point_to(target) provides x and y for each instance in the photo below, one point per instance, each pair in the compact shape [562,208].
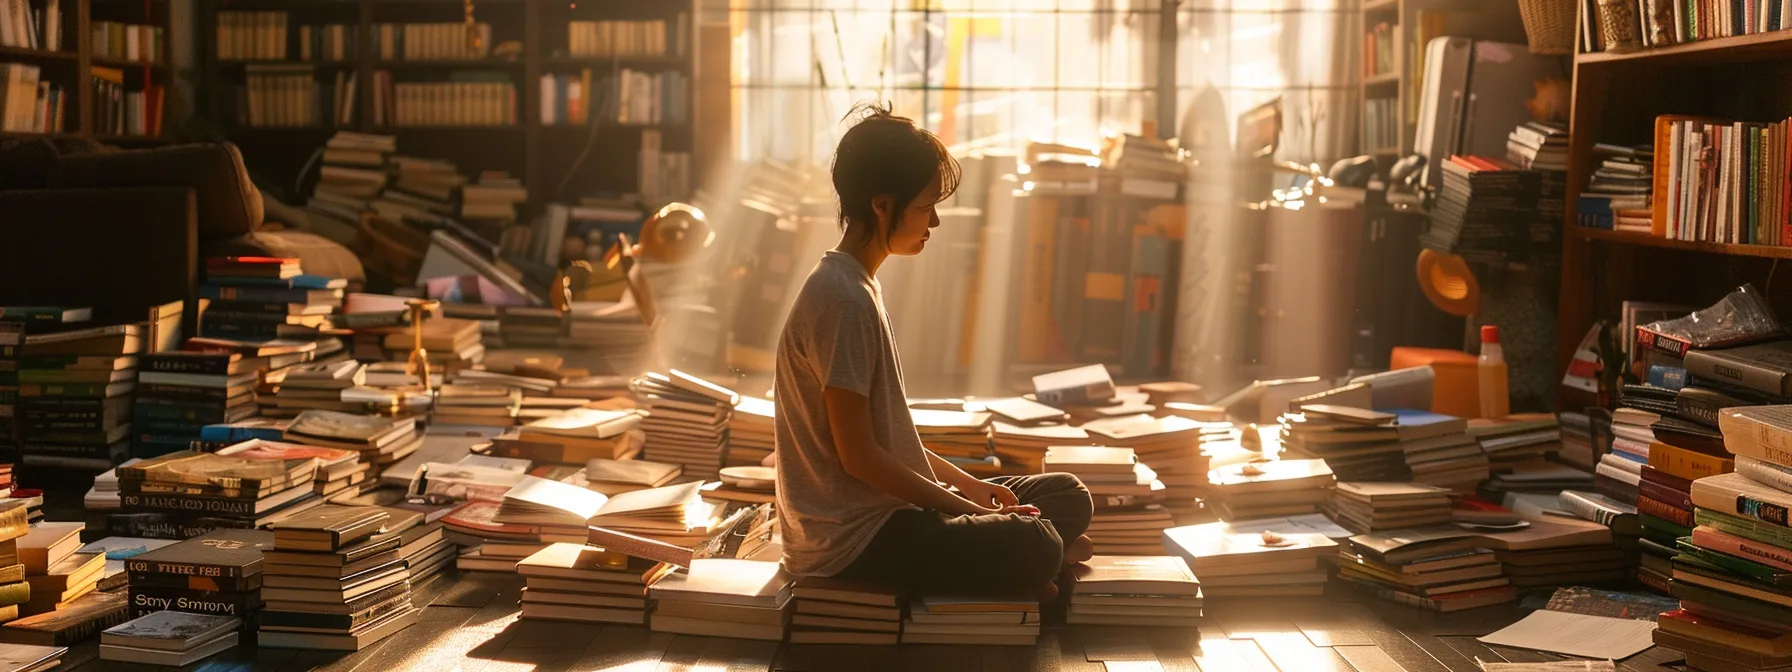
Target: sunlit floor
[471,625]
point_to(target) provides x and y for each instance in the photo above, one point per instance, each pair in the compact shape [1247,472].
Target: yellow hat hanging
[1448,283]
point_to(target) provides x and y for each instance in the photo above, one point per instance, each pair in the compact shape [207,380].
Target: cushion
[229,205]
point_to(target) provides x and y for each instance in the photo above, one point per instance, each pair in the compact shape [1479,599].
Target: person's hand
[989,495]
[1022,509]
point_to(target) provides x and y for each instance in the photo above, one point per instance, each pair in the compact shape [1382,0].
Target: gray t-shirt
[837,335]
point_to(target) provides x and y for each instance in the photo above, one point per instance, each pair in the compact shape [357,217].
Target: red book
[213,262]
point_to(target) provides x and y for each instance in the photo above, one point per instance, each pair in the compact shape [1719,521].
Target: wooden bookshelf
[1465,18]
[1615,99]
[540,154]
[71,66]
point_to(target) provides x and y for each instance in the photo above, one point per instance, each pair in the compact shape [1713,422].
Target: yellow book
[1687,464]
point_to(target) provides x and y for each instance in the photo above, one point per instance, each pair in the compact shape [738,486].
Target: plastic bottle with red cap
[1496,400]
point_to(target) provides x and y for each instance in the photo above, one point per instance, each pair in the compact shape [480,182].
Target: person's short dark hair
[886,154]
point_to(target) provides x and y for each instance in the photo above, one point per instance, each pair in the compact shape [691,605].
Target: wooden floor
[471,625]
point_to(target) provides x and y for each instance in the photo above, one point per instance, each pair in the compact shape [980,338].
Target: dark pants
[929,551]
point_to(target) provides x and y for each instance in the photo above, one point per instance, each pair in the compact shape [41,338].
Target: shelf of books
[1648,240]
[1749,39]
[111,83]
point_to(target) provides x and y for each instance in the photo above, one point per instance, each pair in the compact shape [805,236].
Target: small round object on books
[750,478]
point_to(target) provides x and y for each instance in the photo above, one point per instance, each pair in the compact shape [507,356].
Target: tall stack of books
[750,432]
[575,582]
[14,591]
[1374,507]
[962,437]
[1241,562]
[1484,209]
[255,320]
[381,441]
[1558,551]
[179,393]
[1441,568]
[1439,450]
[687,420]
[837,611]
[1358,444]
[169,638]
[319,386]
[1268,489]
[1149,591]
[335,580]
[1171,445]
[1517,439]
[576,437]
[75,395]
[724,597]
[1665,509]
[57,574]
[477,405]
[353,173]
[181,493]
[1116,474]
[988,620]
[217,573]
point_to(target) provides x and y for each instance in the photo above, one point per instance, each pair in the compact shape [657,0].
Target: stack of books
[423,546]
[271,358]
[1441,568]
[1270,489]
[576,582]
[452,344]
[578,436]
[259,321]
[182,392]
[334,580]
[477,405]
[1171,445]
[1021,448]
[354,172]
[1150,591]
[14,591]
[380,440]
[750,432]
[1539,478]
[724,597]
[524,327]
[216,573]
[1517,439]
[1242,562]
[1651,561]
[57,573]
[837,611]
[990,620]
[1358,444]
[473,528]
[340,473]
[687,420]
[614,477]
[320,386]
[1538,146]
[1625,182]
[1666,514]
[1618,474]
[1116,474]
[117,550]
[71,415]
[81,620]
[1439,450]
[616,331]
[12,335]
[1577,440]
[1374,507]
[1558,551]
[961,437]
[33,499]
[169,638]
[656,513]
[1483,210]
[33,658]
[181,493]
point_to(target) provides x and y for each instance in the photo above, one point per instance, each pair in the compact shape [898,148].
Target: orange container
[1455,390]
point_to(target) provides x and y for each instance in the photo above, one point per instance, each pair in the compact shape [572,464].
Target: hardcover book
[226,554]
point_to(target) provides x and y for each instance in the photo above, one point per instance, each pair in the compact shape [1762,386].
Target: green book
[1730,564]
[1765,533]
[1657,529]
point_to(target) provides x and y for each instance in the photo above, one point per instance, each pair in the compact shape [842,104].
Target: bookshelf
[1390,94]
[78,57]
[520,142]
[1741,78]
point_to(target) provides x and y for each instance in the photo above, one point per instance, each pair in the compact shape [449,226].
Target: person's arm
[948,472]
[976,489]
[849,420]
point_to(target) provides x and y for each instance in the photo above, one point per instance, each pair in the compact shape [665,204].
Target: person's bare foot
[1048,592]
[1079,550]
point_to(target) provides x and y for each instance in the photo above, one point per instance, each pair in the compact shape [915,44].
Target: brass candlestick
[419,362]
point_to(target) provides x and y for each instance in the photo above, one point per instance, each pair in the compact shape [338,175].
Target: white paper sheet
[1577,635]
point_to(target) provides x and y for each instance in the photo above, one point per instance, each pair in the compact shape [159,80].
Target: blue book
[266,429]
[1416,424]
[1670,377]
[304,281]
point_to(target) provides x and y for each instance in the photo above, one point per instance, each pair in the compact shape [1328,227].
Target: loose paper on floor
[1577,635]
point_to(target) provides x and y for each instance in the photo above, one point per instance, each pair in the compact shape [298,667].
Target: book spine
[206,414]
[1668,377]
[167,526]
[1765,473]
[1666,495]
[189,569]
[82,390]
[1736,372]
[1743,527]
[1726,500]
[180,393]
[1587,509]
[205,366]
[145,601]
[1687,464]
[1664,511]
[1748,437]
[1766,554]
[187,504]
[1657,476]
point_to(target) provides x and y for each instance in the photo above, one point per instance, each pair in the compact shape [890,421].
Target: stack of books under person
[261,321]
[1245,562]
[182,392]
[14,591]
[1141,591]
[75,395]
[724,597]
[687,420]
[1113,474]
[989,620]
[1730,571]
[577,582]
[1374,507]
[837,611]
[334,580]
[171,638]
[750,432]
[218,573]
[180,494]
[1172,445]
[1440,568]
[577,436]
[381,440]
[961,437]
[58,575]
[1270,489]
[1358,444]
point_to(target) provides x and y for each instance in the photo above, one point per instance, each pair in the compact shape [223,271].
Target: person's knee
[1069,492]
[1039,550]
